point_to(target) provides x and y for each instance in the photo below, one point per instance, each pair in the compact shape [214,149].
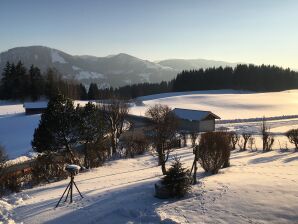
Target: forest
[18,83]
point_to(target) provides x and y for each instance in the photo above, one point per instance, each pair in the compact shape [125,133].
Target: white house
[195,120]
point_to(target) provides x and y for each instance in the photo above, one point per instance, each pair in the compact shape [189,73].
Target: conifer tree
[58,129]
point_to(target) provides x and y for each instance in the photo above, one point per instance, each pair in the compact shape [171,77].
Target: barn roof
[193,115]
[36,105]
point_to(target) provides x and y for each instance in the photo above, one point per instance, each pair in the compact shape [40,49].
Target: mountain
[114,70]
[189,64]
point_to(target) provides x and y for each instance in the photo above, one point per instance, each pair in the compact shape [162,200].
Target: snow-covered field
[257,188]
[229,104]
[16,129]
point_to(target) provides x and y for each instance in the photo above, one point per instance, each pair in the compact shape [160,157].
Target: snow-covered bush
[293,137]
[177,179]
[214,151]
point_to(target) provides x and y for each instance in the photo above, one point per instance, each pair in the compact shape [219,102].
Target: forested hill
[262,78]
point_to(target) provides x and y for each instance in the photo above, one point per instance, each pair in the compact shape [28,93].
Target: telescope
[73,170]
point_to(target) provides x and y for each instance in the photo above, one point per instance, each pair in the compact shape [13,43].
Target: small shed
[195,120]
[35,107]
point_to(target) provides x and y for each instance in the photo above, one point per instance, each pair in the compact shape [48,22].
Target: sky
[254,31]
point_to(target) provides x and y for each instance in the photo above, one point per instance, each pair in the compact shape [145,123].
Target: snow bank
[7,204]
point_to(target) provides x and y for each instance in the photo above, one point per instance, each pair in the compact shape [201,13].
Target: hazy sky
[257,31]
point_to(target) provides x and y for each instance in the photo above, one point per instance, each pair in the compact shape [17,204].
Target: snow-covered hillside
[257,188]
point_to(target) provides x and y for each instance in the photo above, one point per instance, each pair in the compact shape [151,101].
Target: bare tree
[163,132]
[114,114]
[234,139]
[267,138]
[243,143]
[252,144]
[184,138]
[193,137]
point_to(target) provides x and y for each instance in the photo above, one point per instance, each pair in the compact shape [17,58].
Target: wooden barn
[195,120]
[35,107]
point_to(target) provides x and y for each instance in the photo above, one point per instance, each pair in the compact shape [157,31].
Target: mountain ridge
[112,70]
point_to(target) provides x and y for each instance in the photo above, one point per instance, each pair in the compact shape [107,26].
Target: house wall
[197,126]
[207,125]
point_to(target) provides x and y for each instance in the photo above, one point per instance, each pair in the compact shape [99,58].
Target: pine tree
[91,127]
[36,83]
[58,129]
[93,92]
[177,179]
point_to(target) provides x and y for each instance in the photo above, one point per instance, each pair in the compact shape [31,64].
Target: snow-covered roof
[35,105]
[193,115]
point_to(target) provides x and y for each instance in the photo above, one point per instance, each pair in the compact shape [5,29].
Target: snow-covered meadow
[16,129]
[257,188]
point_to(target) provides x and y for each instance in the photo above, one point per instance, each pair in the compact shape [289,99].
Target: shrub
[234,138]
[3,158]
[177,179]
[293,137]
[267,137]
[97,153]
[48,167]
[214,151]
[243,142]
[134,142]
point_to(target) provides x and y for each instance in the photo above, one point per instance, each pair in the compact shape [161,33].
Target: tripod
[70,190]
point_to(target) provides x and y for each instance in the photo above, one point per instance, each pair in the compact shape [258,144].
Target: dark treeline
[243,77]
[18,83]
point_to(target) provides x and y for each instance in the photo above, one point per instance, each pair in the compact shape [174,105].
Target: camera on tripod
[72,169]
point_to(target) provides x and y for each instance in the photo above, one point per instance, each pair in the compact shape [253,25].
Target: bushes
[48,167]
[293,137]
[214,151]
[177,179]
[134,142]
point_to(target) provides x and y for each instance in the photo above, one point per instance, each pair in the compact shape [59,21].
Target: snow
[73,167]
[56,57]
[257,188]
[89,75]
[7,204]
[145,77]
[75,68]
[18,160]
[16,133]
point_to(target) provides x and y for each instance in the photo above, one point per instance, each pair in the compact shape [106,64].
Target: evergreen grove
[19,83]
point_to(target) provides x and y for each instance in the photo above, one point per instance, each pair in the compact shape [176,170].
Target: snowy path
[257,188]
